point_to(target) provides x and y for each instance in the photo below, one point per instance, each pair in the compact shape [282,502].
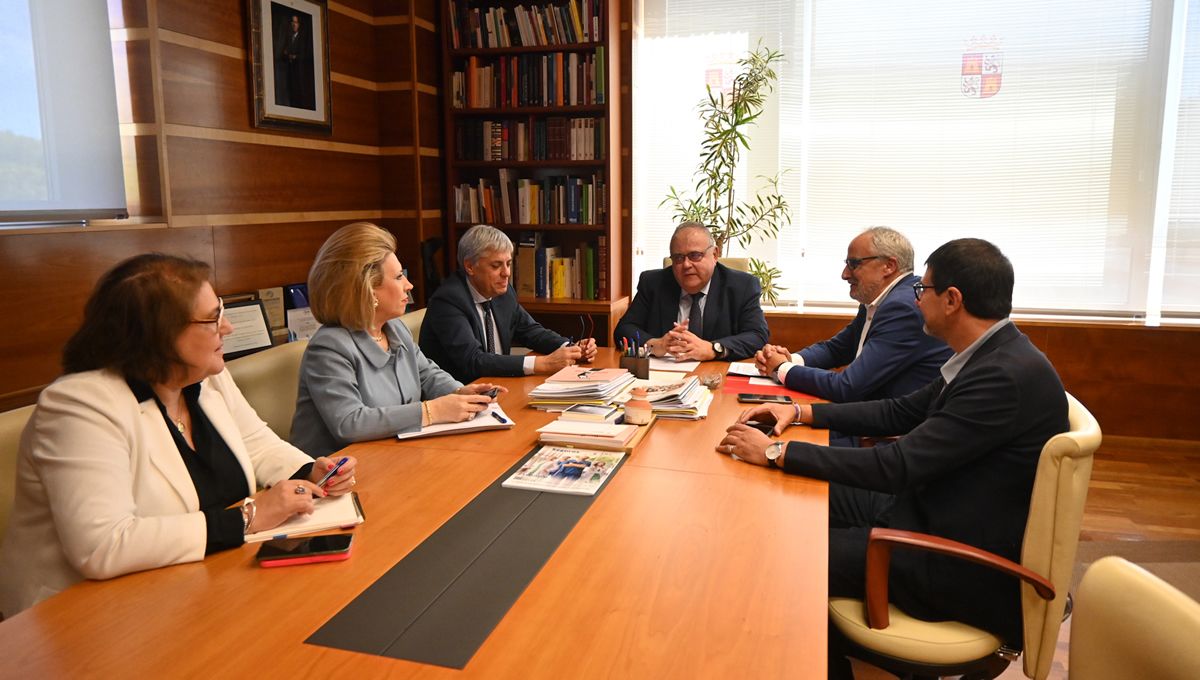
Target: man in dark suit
[473,319]
[963,466]
[697,308]
[884,351]
[294,77]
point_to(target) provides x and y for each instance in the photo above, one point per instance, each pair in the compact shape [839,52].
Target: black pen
[499,417]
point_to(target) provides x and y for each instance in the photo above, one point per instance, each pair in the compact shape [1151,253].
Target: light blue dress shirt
[352,390]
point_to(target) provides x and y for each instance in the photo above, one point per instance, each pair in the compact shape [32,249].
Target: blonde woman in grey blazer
[145,454]
[362,376]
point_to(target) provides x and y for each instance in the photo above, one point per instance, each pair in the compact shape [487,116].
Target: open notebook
[492,418]
[331,512]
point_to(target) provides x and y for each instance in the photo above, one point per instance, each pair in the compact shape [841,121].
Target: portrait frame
[289,64]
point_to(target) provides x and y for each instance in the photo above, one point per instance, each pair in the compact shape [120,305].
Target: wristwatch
[774,454]
[719,350]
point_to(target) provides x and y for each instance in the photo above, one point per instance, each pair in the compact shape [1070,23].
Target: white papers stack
[749,370]
[685,399]
[551,396]
[669,363]
[746,368]
[587,435]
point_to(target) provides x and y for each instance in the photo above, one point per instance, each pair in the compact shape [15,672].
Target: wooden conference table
[689,564]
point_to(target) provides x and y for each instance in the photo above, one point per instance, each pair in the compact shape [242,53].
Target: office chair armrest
[879,557]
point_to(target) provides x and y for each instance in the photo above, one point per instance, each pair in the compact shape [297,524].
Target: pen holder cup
[638,366]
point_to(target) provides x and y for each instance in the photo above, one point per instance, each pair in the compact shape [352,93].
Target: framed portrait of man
[289,65]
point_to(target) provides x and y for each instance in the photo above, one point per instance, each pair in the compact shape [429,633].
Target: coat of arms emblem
[981,71]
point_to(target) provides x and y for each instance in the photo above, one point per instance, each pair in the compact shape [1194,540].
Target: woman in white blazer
[145,454]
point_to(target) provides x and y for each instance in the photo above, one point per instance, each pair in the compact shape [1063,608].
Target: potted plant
[727,118]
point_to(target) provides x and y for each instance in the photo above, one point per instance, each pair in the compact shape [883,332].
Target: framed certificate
[251,331]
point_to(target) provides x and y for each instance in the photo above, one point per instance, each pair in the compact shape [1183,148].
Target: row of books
[553,200]
[538,139]
[552,272]
[523,80]
[572,22]
[583,276]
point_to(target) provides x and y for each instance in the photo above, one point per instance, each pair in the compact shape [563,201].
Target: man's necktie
[696,317]
[488,325]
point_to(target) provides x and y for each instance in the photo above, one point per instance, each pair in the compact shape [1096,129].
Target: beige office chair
[737,264]
[1130,624]
[413,321]
[270,380]
[12,423]
[887,637]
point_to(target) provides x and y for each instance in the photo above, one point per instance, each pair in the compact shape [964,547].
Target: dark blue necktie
[696,317]
[488,323]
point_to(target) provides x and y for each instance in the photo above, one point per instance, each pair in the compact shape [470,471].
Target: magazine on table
[560,469]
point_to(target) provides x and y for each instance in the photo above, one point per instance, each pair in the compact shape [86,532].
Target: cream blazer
[102,490]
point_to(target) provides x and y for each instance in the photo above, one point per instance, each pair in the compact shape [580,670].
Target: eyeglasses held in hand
[694,256]
[853,263]
[217,321]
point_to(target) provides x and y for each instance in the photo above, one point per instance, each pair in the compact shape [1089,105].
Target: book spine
[602,292]
[540,271]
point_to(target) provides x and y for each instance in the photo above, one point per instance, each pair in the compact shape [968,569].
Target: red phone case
[308,559]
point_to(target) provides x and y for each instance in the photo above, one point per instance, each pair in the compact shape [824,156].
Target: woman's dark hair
[135,314]
[979,271]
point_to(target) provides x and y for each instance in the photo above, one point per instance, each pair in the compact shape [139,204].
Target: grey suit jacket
[352,390]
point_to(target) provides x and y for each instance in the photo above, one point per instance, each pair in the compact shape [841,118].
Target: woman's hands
[341,482]
[481,388]
[275,505]
[455,408]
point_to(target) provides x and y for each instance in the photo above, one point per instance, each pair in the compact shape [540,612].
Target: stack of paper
[580,386]
[589,435]
[685,399]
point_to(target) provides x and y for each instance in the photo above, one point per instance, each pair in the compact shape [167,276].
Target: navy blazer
[732,314]
[452,334]
[898,356]
[963,470]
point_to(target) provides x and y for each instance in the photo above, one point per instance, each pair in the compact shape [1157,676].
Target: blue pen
[333,471]
[638,343]
[499,417]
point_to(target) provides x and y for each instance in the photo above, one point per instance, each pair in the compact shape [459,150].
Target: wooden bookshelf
[532,119]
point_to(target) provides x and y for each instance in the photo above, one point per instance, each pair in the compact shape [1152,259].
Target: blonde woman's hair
[348,266]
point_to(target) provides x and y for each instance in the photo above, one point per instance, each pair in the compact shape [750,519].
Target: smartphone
[282,552]
[747,398]
[766,428]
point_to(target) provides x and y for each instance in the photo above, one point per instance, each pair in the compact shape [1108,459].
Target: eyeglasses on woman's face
[216,323]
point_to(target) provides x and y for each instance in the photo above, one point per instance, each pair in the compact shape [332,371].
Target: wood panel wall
[1137,381]
[201,180]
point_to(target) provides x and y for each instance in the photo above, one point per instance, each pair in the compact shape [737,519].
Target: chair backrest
[741,264]
[1052,531]
[1128,623]
[413,321]
[12,423]
[270,380]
